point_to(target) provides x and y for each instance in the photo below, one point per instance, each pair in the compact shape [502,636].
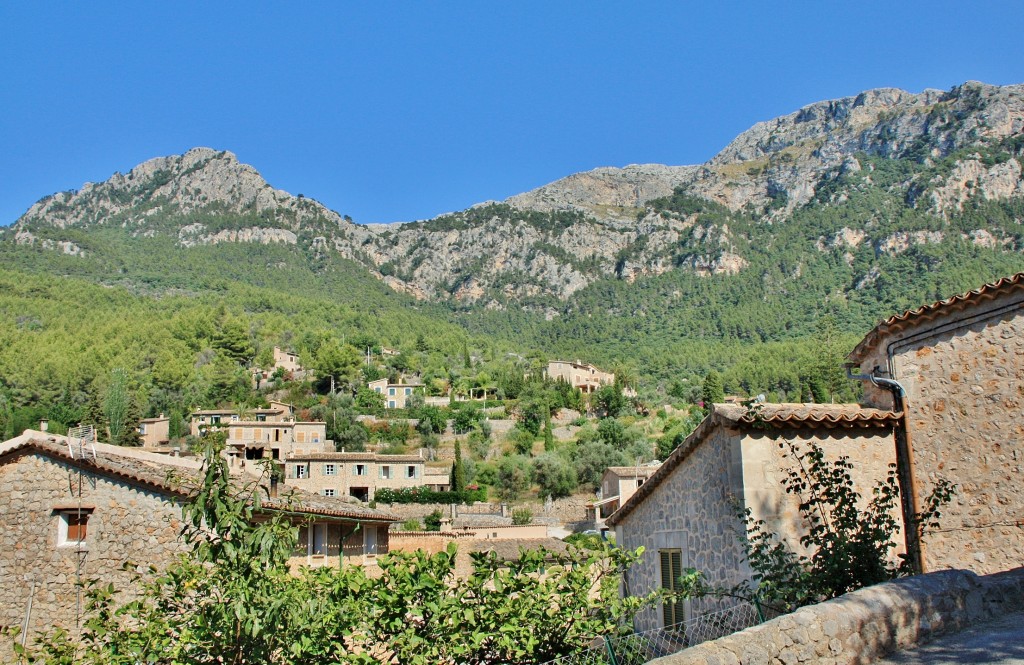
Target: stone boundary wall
[867,624]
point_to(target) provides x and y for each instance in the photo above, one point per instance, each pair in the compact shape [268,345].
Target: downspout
[904,467]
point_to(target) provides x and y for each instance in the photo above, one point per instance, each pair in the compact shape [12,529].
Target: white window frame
[300,472]
[330,491]
[63,521]
[330,469]
[411,471]
[360,470]
[385,471]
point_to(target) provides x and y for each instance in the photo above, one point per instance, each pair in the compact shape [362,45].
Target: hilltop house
[618,484]
[396,395]
[360,474]
[79,512]
[686,514]
[956,368]
[270,433]
[586,378]
[155,432]
[286,360]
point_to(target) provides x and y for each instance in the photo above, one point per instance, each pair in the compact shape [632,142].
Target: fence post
[611,651]
[757,606]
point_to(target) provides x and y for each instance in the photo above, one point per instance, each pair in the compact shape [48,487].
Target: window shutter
[291,471]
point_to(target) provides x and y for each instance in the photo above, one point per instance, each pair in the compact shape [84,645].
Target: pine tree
[713,391]
[458,472]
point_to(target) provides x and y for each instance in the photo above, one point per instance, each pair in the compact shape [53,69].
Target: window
[408,391]
[300,437]
[73,527]
[392,404]
[671,570]
[234,419]
[391,391]
[319,539]
[257,434]
[142,429]
[329,492]
[214,420]
[379,389]
[410,472]
[330,470]
[261,417]
[300,471]
[360,469]
[385,471]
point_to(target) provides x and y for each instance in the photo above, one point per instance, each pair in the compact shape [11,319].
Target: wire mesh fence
[640,648]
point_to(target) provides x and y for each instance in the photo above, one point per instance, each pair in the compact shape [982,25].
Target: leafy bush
[427,495]
[522,516]
[555,475]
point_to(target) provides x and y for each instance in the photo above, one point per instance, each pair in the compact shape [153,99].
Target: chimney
[44,425]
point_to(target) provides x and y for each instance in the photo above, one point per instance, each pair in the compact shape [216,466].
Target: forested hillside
[766,263]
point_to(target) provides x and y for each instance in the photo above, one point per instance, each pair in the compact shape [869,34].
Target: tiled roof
[913,317]
[181,481]
[508,550]
[355,457]
[776,416]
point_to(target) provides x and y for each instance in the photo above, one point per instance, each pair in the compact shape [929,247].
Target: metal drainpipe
[904,467]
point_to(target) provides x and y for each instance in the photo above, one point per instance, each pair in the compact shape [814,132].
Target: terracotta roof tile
[925,313]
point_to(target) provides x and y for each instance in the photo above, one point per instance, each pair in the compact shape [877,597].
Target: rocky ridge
[535,249]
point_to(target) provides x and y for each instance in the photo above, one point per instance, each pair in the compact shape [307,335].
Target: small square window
[300,470]
[385,471]
[391,391]
[73,528]
[410,472]
[329,492]
[360,469]
[330,470]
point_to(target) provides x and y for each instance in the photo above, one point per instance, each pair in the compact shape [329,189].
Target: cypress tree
[458,473]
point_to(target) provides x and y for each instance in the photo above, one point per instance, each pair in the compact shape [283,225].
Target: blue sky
[395,111]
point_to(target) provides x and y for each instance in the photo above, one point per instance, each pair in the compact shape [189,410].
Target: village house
[79,511]
[270,433]
[943,394]
[359,474]
[956,368]
[618,484]
[155,432]
[686,515]
[286,360]
[396,395]
[582,376]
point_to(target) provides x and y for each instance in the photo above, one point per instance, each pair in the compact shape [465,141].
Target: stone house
[155,432]
[286,360]
[396,395]
[956,368]
[79,512]
[686,515]
[586,378]
[618,484]
[271,433]
[358,474]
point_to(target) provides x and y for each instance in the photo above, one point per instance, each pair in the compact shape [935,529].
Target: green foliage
[555,475]
[458,472]
[609,401]
[412,524]
[432,522]
[432,420]
[522,516]
[427,495]
[514,476]
[712,392]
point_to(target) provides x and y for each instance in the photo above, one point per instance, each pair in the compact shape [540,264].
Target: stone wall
[763,465]
[126,524]
[864,625]
[964,376]
[692,511]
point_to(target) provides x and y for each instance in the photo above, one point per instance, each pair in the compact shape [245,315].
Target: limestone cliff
[937,154]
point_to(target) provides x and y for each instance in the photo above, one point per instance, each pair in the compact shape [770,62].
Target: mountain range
[853,207]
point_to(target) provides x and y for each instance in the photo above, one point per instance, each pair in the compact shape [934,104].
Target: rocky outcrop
[545,245]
